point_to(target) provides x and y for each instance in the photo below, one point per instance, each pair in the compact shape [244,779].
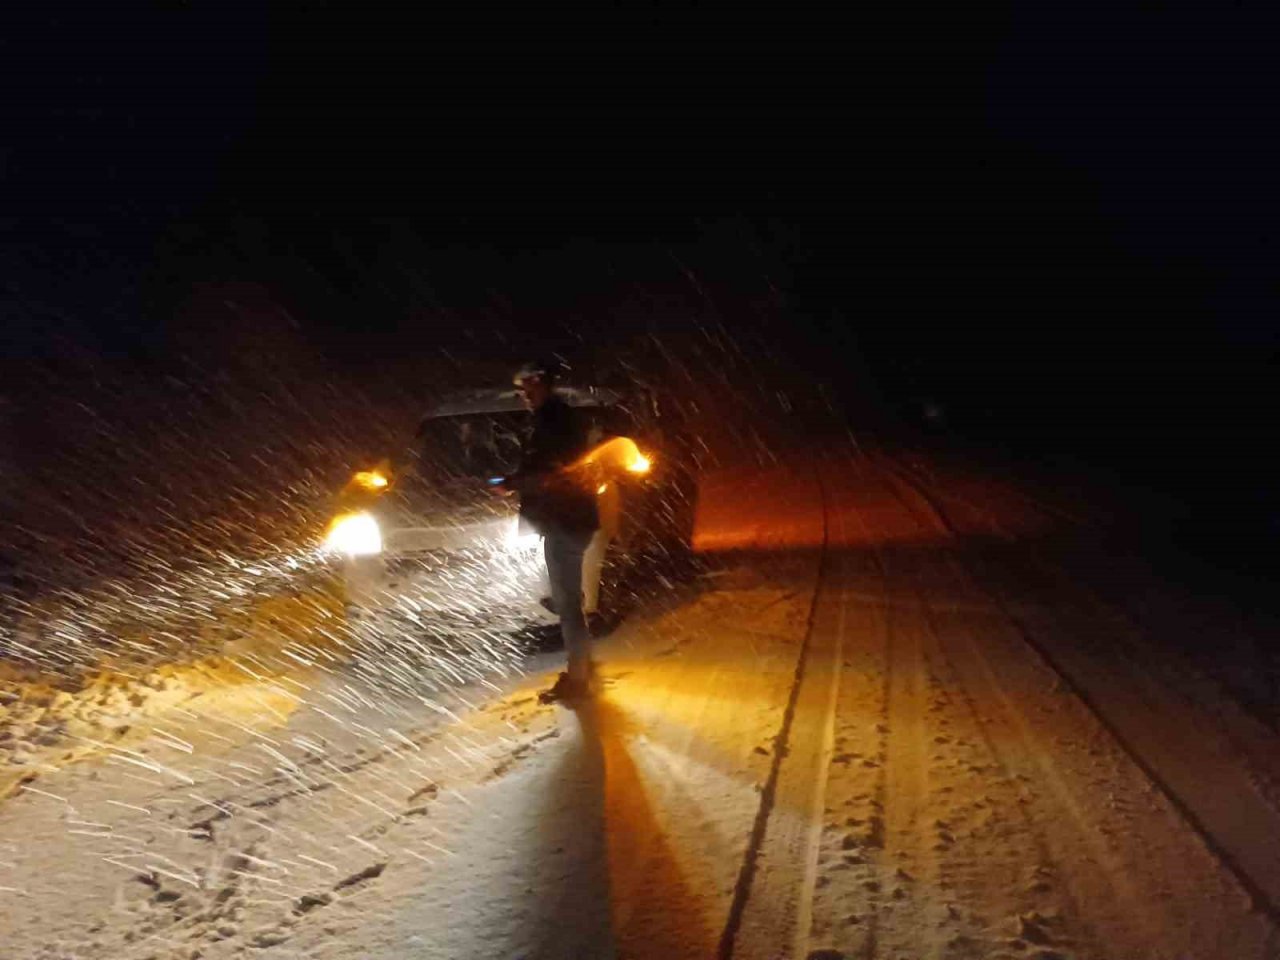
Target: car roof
[506,400]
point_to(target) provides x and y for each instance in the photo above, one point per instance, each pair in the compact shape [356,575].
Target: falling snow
[858,717]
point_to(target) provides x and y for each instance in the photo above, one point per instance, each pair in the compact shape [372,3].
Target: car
[429,511]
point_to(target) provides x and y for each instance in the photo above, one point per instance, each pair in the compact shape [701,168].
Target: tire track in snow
[1009,722]
[906,765]
[1098,715]
[1265,894]
[911,871]
[980,866]
[859,850]
[852,813]
[994,668]
[742,892]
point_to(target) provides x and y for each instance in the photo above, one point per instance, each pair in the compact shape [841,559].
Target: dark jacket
[550,498]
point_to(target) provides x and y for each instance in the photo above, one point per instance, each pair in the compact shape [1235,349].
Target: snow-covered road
[890,721]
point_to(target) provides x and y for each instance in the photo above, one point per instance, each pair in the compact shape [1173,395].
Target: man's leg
[564,568]
[592,564]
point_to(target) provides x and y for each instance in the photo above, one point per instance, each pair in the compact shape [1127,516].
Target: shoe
[566,690]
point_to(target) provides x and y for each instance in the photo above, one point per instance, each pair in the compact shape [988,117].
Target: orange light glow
[371,480]
[620,453]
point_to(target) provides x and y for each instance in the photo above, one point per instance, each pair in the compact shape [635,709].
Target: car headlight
[354,534]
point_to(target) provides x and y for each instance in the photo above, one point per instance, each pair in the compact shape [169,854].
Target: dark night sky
[1052,208]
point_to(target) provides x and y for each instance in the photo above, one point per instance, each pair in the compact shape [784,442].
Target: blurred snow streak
[157,470]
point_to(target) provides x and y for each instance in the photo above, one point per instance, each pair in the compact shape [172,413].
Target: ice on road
[888,721]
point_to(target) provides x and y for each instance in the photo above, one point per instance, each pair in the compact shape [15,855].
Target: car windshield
[473,445]
[484,445]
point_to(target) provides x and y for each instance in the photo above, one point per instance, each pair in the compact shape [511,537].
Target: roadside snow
[344,827]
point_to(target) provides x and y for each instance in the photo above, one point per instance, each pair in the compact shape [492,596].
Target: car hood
[451,515]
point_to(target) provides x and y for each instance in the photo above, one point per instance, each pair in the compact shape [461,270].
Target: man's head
[534,382]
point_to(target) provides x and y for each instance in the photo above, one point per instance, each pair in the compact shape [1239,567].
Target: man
[561,507]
